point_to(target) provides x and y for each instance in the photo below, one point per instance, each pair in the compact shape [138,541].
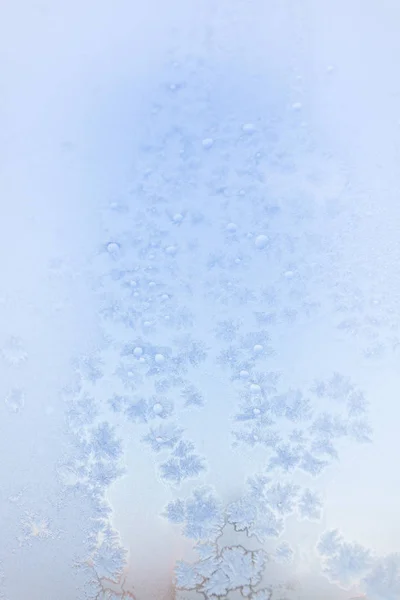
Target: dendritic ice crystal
[348,562]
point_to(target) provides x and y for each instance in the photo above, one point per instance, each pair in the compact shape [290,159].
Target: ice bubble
[231,227]
[159,358]
[248,128]
[113,248]
[244,374]
[208,143]
[255,388]
[138,351]
[258,348]
[177,218]
[261,241]
[158,408]
[170,250]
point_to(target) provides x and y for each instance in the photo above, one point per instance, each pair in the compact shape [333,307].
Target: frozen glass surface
[199,300]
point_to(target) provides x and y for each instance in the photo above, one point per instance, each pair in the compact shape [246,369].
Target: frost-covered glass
[199,301]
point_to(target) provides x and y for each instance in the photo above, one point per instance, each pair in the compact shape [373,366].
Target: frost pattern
[214,255]
[222,568]
[180,293]
[222,571]
[349,562]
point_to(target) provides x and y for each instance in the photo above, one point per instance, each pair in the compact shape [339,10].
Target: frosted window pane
[199,301]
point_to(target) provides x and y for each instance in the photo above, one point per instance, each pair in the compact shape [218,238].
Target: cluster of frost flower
[210,262]
[348,563]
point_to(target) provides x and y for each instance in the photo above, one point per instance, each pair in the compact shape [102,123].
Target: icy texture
[199,305]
